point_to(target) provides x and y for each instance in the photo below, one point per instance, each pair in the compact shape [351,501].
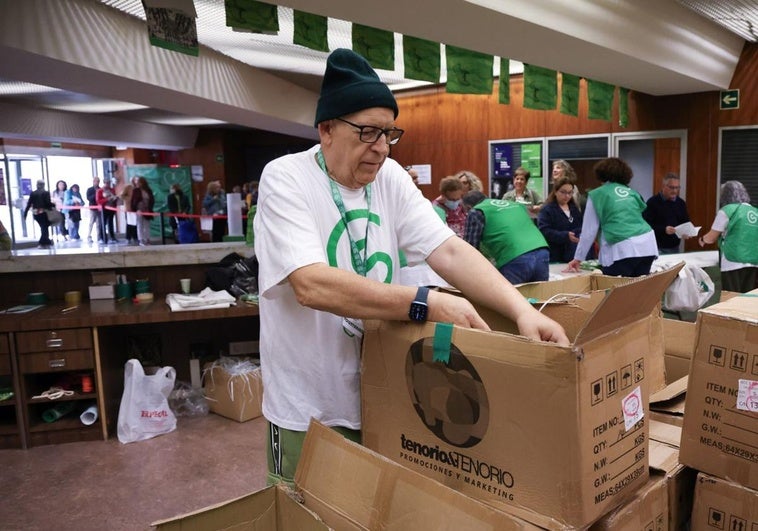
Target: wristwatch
[419,308]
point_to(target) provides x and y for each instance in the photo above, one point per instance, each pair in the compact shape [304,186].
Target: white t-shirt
[310,366]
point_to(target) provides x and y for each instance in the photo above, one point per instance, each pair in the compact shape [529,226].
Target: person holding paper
[328,230]
[614,213]
[665,211]
[736,230]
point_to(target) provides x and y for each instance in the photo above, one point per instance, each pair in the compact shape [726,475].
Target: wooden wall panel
[439,125]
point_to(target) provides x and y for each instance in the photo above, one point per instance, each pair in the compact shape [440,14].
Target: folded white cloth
[205,300]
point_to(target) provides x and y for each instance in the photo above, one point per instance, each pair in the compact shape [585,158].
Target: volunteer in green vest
[736,230]
[504,232]
[614,212]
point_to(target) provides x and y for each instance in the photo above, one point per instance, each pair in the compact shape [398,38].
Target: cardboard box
[564,300]
[238,397]
[679,345]
[647,510]
[719,435]
[680,479]
[530,427]
[344,486]
[721,504]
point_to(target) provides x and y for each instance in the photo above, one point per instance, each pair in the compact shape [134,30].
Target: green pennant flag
[540,88]
[623,107]
[172,29]
[377,46]
[422,59]
[600,99]
[504,90]
[310,31]
[569,94]
[468,72]
[251,15]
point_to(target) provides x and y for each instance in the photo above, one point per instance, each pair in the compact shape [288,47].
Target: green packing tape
[36,298]
[443,338]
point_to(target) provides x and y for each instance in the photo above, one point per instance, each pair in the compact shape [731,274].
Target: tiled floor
[106,485]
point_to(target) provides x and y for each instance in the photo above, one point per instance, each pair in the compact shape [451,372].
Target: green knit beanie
[350,85]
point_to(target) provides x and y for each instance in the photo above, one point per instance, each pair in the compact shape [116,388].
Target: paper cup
[185,284]
[72,298]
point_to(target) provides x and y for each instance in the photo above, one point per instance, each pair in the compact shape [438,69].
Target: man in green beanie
[330,225]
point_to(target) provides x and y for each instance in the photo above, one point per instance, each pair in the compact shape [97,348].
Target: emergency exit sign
[729,99]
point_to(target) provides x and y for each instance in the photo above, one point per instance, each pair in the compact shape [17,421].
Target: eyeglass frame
[565,192]
[382,132]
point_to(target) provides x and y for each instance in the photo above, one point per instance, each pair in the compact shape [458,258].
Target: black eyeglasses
[370,134]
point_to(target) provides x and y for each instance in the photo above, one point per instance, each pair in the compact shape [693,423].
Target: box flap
[271,508]
[671,391]
[665,433]
[627,303]
[352,487]
[743,307]
[663,457]
[679,337]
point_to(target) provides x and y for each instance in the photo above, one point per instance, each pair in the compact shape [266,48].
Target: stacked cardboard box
[237,396]
[555,435]
[344,486]
[720,435]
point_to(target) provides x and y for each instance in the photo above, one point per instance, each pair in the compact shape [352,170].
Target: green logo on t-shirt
[372,259]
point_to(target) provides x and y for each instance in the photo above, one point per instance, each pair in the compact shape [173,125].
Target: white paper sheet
[686,230]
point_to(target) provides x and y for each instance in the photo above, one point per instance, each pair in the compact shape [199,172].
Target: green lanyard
[358,261]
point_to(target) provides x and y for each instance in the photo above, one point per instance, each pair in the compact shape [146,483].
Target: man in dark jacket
[665,210]
[39,203]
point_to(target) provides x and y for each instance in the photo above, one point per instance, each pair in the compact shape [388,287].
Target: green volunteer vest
[739,243]
[619,209]
[508,230]
[441,213]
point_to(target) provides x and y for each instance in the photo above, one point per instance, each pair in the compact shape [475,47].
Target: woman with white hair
[736,230]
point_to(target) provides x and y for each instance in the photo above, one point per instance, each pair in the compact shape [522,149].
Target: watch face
[418,311]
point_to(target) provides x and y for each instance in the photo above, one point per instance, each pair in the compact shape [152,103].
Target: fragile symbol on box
[716,518]
[717,355]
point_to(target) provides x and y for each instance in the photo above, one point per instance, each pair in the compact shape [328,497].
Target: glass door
[19,175]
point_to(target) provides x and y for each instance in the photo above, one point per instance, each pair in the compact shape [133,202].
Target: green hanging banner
[569,94]
[504,89]
[600,99]
[377,46]
[311,31]
[468,72]
[251,15]
[540,88]
[623,107]
[172,29]
[422,59]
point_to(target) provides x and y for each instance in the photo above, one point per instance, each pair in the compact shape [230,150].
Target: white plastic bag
[691,288]
[144,411]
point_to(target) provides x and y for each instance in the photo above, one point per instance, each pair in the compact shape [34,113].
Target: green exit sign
[729,99]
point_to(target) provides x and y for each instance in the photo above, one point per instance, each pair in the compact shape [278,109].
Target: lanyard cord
[358,261]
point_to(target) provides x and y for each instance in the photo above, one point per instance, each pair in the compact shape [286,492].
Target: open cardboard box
[344,486]
[556,435]
[719,437]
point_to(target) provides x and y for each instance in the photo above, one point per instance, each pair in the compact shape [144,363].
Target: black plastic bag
[234,273]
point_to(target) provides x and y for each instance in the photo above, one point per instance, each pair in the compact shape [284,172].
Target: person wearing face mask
[521,194]
[449,200]
[329,226]
[503,231]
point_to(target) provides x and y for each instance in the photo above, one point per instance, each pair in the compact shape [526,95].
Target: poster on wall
[26,187]
[3,198]
[160,179]
[424,173]
[502,163]
[531,159]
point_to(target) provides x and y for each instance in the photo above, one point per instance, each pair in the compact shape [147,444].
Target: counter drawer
[4,345]
[66,360]
[5,364]
[47,340]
